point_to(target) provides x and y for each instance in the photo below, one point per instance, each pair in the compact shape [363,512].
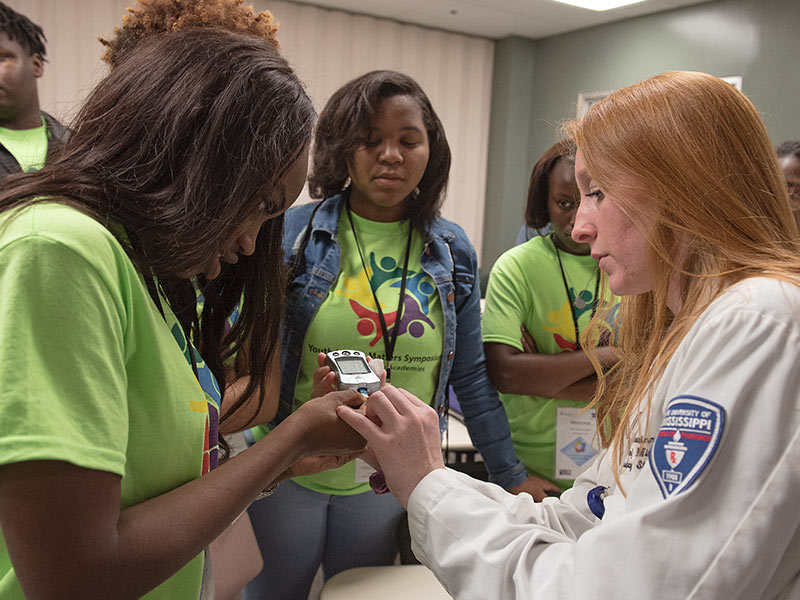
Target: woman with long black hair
[180,166]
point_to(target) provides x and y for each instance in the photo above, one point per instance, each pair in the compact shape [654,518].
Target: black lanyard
[388,342]
[569,298]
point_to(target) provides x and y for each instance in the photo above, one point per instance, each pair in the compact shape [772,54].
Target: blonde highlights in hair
[685,156]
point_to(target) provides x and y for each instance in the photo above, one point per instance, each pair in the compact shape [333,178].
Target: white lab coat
[733,532]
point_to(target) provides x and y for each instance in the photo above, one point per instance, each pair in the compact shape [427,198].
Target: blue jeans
[298,529]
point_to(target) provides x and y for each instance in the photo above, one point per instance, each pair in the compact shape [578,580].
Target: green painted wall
[510,142]
[757,39]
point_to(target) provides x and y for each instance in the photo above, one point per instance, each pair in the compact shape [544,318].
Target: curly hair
[156,16]
[343,125]
[22,30]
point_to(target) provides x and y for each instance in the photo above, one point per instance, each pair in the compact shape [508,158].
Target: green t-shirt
[348,318]
[526,288]
[27,146]
[91,372]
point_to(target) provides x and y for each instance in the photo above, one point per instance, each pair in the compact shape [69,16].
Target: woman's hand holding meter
[324,379]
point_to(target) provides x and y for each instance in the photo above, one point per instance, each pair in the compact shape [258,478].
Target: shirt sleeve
[62,358]
[505,298]
[732,533]
[482,542]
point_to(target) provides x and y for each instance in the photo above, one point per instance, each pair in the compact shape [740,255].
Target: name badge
[575,430]
[363,471]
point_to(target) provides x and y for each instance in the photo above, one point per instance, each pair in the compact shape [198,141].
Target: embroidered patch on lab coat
[686,442]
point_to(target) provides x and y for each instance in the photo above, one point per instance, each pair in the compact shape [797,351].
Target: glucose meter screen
[353,365]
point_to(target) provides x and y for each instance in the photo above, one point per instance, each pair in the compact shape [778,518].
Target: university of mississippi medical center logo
[689,436]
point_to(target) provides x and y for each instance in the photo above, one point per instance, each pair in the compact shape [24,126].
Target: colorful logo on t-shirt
[208,383]
[384,278]
[562,325]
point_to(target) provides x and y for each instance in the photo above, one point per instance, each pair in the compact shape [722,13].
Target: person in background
[28,136]
[695,492]
[109,484]
[374,268]
[549,289]
[789,157]
[244,404]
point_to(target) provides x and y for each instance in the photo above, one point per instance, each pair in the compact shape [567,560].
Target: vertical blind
[326,48]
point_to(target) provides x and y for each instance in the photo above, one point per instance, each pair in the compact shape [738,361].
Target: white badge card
[363,471]
[575,431]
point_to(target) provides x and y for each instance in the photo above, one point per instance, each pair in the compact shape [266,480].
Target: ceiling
[497,18]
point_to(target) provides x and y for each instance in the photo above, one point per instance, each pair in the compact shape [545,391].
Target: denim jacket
[463,361]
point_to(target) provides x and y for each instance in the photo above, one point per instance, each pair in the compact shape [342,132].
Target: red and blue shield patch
[685,444]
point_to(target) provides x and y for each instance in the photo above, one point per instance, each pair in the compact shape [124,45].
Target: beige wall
[73,52]
[327,48]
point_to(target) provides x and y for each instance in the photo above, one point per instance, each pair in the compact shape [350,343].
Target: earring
[346,183]
[415,193]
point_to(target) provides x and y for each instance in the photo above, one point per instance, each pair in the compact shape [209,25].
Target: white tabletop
[457,437]
[395,582]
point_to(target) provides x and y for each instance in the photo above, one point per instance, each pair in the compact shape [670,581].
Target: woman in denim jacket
[381,163]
